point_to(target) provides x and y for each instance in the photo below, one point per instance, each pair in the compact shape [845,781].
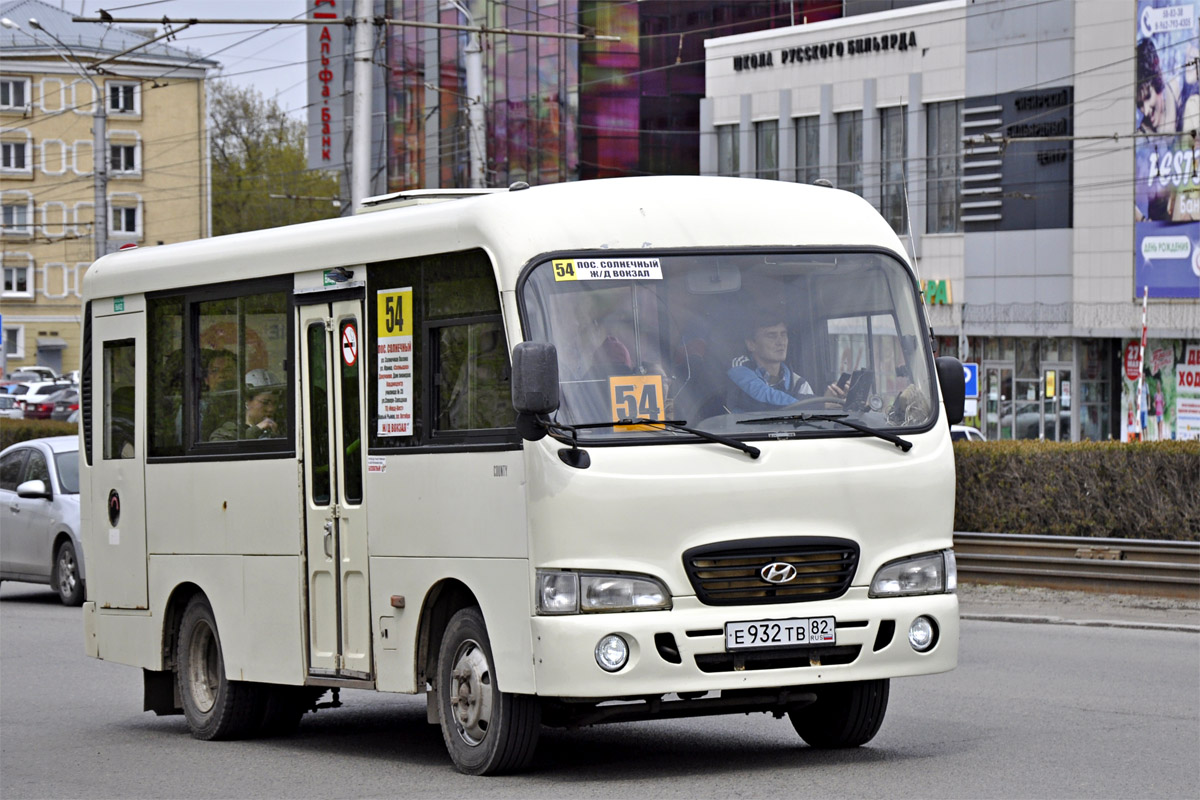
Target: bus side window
[165,380]
[119,389]
[472,389]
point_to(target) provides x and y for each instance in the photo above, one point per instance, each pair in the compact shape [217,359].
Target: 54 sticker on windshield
[636,396]
[607,269]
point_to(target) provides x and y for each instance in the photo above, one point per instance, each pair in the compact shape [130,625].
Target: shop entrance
[1056,402]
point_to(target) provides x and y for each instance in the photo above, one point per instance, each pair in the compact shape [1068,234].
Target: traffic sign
[971,378]
[349,345]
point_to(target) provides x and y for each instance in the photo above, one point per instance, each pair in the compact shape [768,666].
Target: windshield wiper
[840,419]
[667,424]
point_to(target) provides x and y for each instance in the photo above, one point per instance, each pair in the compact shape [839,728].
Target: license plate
[779,633]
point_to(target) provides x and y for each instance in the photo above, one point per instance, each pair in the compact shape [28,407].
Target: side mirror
[33,490]
[535,378]
[954,387]
[534,386]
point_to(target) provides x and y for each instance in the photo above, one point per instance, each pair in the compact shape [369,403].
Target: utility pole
[360,141]
[476,127]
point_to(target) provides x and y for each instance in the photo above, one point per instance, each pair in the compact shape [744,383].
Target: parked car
[35,401]
[39,507]
[965,433]
[34,373]
[65,401]
[9,408]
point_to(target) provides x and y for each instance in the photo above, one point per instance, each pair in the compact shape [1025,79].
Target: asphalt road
[1034,710]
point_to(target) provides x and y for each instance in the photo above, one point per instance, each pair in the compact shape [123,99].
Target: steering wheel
[816,401]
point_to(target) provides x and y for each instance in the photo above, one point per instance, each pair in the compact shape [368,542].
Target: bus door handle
[329,538]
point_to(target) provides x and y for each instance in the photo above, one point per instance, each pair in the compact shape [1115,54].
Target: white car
[36,394]
[42,373]
[39,516]
[9,409]
[965,433]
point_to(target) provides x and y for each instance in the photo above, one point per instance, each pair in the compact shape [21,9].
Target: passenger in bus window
[218,399]
[762,380]
[261,392]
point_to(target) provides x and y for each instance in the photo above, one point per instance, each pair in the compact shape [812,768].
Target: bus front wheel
[844,715]
[487,731]
[214,706]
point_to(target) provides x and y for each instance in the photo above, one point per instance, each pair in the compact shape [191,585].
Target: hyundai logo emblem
[777,572]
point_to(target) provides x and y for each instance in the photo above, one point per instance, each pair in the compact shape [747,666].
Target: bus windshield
[752,345]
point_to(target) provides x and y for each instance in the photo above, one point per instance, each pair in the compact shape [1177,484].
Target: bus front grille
[803,568]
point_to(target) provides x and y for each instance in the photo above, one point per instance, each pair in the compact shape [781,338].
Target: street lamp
[99,136]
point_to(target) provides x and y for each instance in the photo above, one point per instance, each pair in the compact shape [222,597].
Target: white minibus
[554,456]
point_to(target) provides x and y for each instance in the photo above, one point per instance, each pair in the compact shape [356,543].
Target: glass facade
[560,109]
[849,151]
[943,147]
[766,138]
[893,151]
[808,149]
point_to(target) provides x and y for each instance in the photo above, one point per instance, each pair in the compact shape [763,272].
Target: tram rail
[1117,566]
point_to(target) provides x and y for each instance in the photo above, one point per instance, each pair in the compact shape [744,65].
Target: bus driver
[762,380]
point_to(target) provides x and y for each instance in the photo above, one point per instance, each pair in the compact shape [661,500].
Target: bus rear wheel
[214,706]
[844,715]
[487,731]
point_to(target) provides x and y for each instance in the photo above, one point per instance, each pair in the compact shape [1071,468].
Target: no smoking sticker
[349,345]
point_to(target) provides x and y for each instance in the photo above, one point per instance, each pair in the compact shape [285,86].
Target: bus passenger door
[116,560]
[339,618]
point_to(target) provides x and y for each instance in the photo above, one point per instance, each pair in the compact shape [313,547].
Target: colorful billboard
[1167,172]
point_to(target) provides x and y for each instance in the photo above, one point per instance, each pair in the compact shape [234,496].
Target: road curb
[1082,623]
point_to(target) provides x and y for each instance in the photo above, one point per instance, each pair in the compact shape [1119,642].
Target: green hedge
[1105,489]
[22,430]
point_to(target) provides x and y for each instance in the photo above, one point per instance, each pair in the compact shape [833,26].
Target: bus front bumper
[684,650]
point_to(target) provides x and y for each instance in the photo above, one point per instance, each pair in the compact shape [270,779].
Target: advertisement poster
[1167,172]
[394,358]
[1170,390]
[1187,395]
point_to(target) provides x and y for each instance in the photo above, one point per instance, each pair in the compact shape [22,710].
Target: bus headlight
[612,653]
[565,592]
[931,573]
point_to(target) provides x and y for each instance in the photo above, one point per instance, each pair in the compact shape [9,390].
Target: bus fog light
[612,653]
[922,634]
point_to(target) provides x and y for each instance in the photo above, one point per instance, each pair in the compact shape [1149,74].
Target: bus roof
[514,226]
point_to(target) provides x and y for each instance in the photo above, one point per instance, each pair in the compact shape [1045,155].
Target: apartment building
[155,180]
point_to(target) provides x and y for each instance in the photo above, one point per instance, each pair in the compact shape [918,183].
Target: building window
[12,156]
[123,98]
[123,158]
[808,149]
[727,150]
[124,220]
[893,147]
[766,145]
[850,151]
[14,94]
[943,149]
[18,280]
[14,341]
[17,217]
